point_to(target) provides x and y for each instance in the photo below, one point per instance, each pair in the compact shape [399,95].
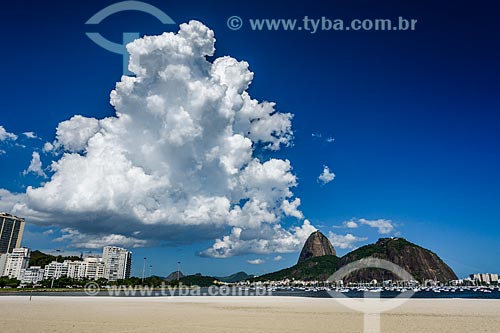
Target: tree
[5,281]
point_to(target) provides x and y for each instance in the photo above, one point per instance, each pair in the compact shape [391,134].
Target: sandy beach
[237,314]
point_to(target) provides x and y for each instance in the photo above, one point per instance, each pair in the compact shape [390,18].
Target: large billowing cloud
[266,239]
[177,162]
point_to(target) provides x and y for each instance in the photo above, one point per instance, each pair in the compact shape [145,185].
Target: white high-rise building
[91,268]
[76,269]
[117,262]
[56,270]
[11,232]
[32,275]
[3,261]
[94,268]
[487,278]
[16,261]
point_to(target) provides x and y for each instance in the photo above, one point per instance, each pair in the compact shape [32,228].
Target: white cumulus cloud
[347,241]
[47,147]
[267,239]
[73,134]
[278,258]
[326,176]
[383,226]
[350,224]
[4,135]
[177,161]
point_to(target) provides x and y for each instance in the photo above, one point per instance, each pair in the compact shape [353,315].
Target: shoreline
[133,292]
[238,314]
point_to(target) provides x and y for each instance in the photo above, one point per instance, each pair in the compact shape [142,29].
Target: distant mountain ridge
[174,276]
[236,277]
[421,263]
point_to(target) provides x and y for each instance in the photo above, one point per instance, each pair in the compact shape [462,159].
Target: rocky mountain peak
[316,245]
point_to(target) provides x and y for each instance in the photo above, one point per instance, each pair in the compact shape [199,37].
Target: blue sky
[415,115]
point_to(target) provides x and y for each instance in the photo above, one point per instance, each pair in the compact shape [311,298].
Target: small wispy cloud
[30,135]
[256,261]
[383,226]
[84,241]
[278,258]
[35,166]
[324,138]
[326,176]
[347,241]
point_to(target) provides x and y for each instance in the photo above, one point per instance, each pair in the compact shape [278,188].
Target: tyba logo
[127,36]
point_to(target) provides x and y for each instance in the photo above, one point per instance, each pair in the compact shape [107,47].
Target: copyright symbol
[91,289]
[234,22]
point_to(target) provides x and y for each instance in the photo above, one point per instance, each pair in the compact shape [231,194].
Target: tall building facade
[91,268]
[485,278]
[55,270]
[117,263]
[15,262]
[32,275]
[116,266]
[11,232]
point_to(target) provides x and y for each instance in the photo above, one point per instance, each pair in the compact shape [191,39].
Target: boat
[376,290]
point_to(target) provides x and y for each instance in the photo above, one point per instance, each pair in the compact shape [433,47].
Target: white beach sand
[236,314]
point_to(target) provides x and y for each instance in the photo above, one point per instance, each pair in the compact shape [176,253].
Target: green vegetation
[7,282]
[156,281]
[317,268]
[371,250]
[151,281]
[38,258]
[198,280]
[379,250]
[66,282]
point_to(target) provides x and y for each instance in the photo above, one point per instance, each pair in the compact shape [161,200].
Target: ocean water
[391,294]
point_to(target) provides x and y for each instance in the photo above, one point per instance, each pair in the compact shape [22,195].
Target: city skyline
[379,133]
[114,264]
